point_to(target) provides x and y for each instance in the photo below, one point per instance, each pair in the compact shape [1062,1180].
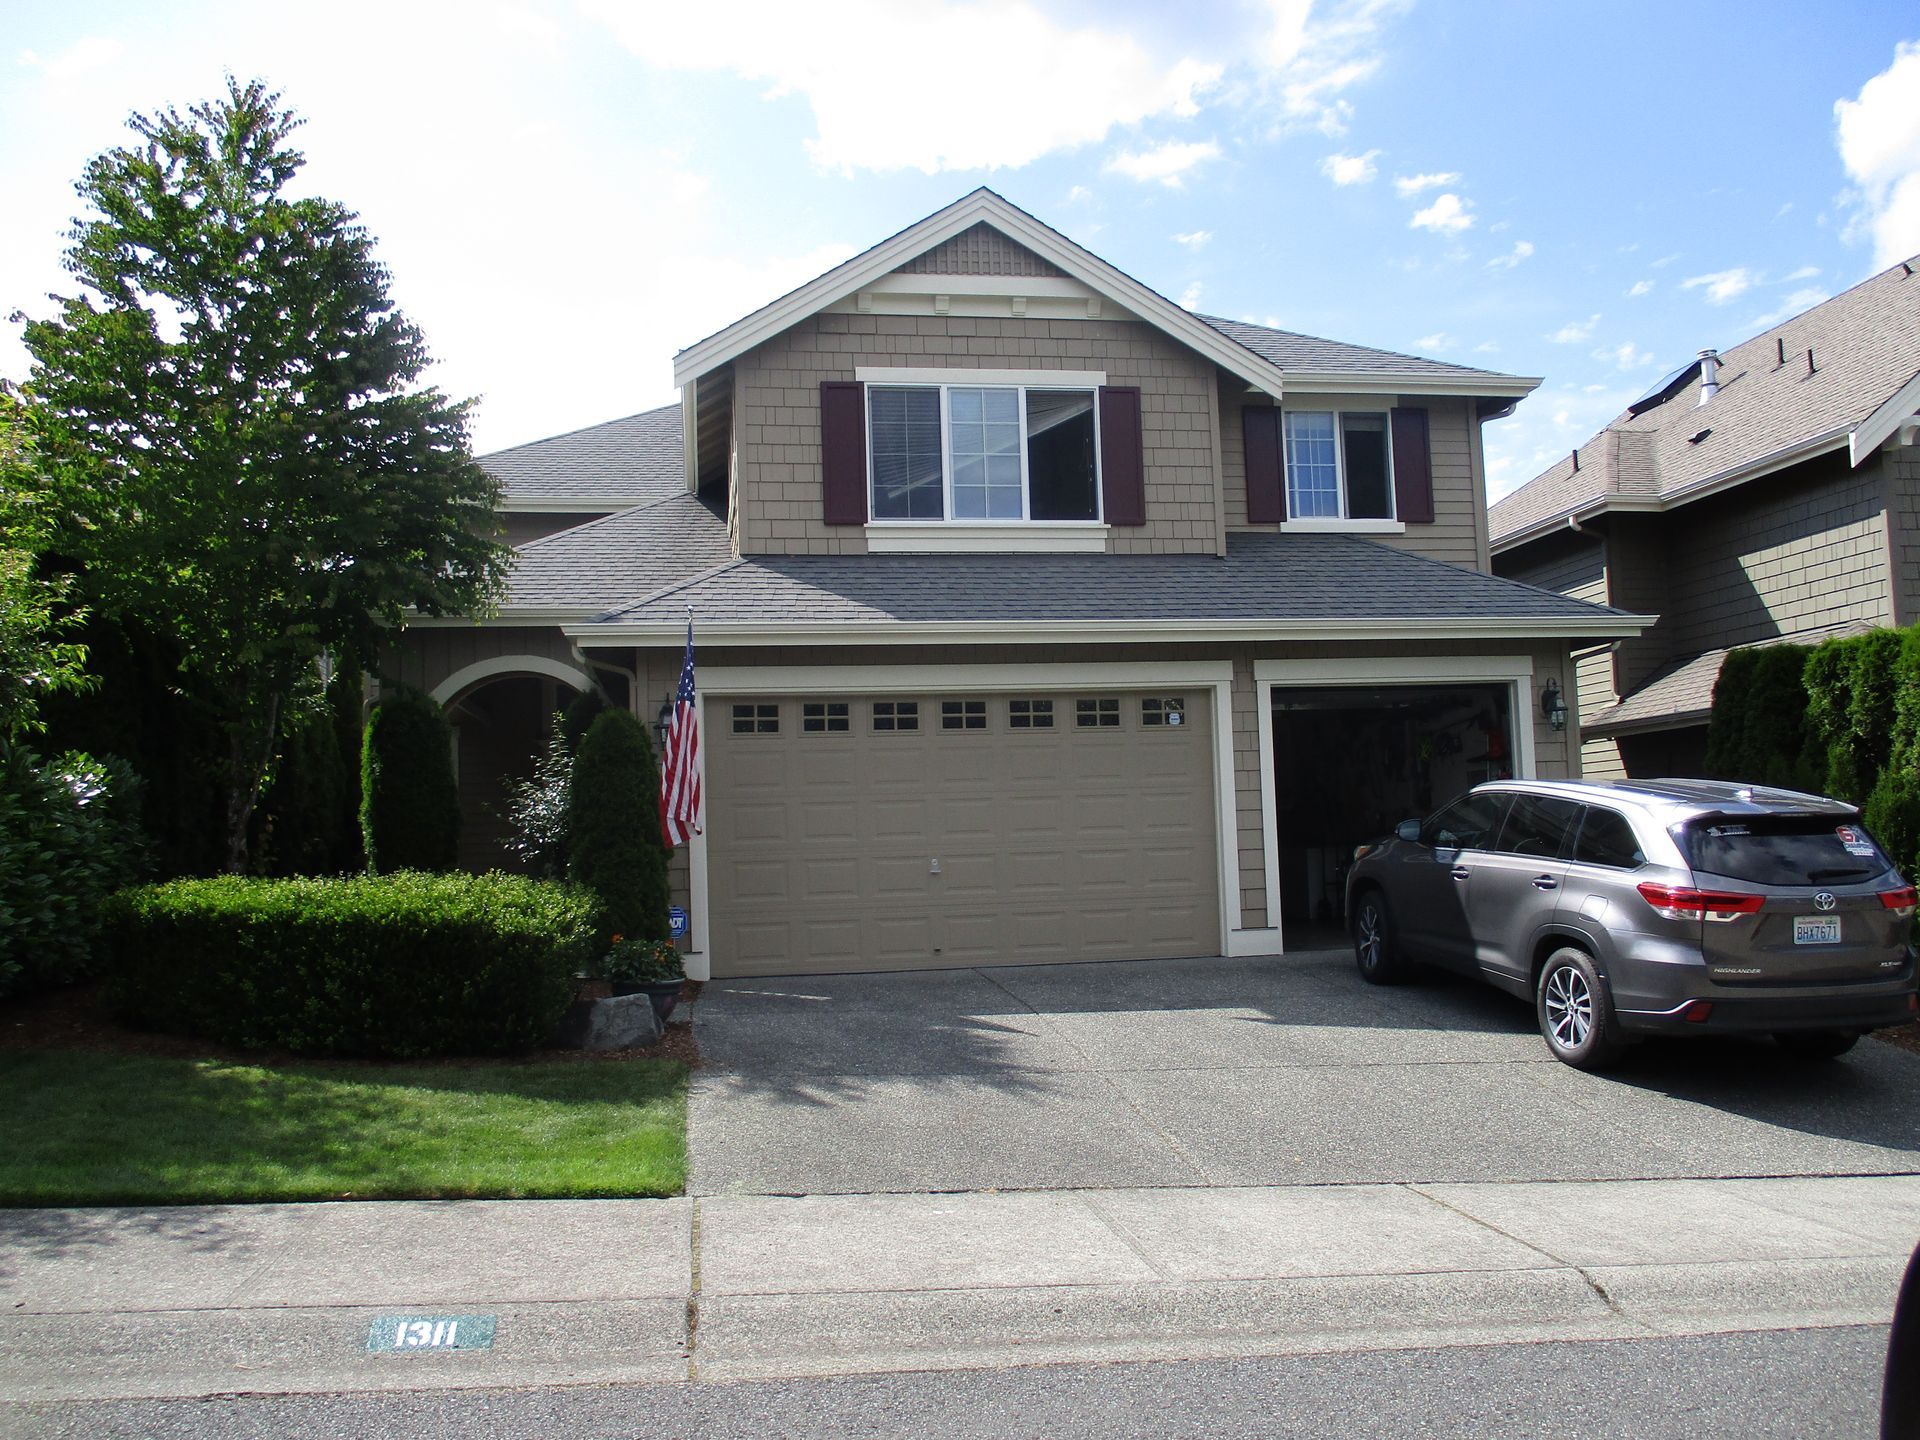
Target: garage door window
[1163,710]
[894,716]
[1030,714]
[963,714]
[756,719]
[824,717]
[1102,713]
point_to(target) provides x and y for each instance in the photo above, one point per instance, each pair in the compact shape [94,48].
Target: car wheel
[1376,947]
[1576,1018]
[1815,1044]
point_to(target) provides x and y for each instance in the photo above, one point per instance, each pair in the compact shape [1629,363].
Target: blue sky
[567,193]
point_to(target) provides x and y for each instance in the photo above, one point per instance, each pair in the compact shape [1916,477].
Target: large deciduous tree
[238,445]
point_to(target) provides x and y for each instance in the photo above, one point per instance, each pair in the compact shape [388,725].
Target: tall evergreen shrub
[1851,693]
[409,806]
[613,826]
[1893,808]
[1726,725]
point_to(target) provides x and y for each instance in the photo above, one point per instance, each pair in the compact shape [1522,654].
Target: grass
[94,1129]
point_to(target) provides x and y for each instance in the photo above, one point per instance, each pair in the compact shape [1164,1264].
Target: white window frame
[982,528]
[1344,521]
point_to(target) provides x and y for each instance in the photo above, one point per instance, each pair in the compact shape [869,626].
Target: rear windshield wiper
[1814,877]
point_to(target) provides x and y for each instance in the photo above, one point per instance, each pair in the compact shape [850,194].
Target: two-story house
[1037,618]
[1766,494]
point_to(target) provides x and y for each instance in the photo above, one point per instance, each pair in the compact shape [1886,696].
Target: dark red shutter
[843,451]
[1266,465]
[1412,467]
[1123,461]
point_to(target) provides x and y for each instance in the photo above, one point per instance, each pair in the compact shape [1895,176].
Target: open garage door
[926,830]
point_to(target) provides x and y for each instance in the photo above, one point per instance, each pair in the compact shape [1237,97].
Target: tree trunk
[246,773]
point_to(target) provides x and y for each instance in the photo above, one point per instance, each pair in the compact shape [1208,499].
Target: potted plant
[646,967]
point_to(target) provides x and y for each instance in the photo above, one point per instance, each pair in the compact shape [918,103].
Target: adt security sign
[677,922]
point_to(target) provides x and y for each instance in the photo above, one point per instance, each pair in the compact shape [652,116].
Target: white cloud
[1168,163]
[1805,272]
[874,108]
[1628,356]
[1434,343]
[1639,288]
[1879,142]
[1665,260]
[1802,299]
[1190,297]
[1574,331]
[1722,285]
[1448,215]
[1486,347]
[1350,169]
[1548,424]
[1313,58]
[1411,185]
[1522,250]
[96,52]
[1194,239]
[1079,195]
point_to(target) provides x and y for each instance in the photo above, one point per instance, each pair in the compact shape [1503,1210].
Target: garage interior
[1351,762]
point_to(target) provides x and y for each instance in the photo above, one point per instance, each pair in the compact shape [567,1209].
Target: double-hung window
[983,453]
[1339,465]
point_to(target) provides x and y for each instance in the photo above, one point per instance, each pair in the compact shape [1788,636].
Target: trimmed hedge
[1851,689]
[613,826]
[1758,731]
[409,803]
[398,965]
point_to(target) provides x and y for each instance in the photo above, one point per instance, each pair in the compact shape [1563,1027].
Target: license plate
[1816,929]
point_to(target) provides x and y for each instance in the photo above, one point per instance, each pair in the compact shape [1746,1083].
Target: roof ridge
[619,514]
[1427,559]
[665,590]
[577,430]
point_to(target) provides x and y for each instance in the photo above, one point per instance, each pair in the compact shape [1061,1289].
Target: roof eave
[1874,431]
[1387,382]
[580,505]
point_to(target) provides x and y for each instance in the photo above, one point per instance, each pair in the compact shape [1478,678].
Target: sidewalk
[282,1298]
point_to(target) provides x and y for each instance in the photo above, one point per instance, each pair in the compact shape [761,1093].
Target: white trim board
[1032,379]
[469,675]
[1216,676]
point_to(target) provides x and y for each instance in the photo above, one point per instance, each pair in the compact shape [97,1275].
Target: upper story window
[972,453]
[1339,465]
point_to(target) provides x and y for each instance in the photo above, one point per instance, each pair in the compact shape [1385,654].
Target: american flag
[680,766]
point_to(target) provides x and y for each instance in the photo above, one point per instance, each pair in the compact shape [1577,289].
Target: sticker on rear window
[1848,835]
[1717,831]
[1863,850]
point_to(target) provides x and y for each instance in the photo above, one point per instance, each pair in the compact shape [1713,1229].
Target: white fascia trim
[596,505]
[1873,432]
[1344,527]
[1111,632]
[571,615]
[942,225]
[469,675]
[1038,379]
[1215,676]
[1387,382]
[690,434]
[1025,537]
[1254,942]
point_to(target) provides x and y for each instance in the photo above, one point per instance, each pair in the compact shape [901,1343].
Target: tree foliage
[34,662]
[230,417]
[409,803]
[613,826]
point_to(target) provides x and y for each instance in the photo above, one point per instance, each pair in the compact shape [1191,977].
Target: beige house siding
[1900,468]
[1458,532]
[1576,565]
[981,250]
[777,400]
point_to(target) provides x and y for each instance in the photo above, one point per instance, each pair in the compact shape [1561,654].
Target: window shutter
[1266,465]
[1123,468]
[843,452]
[1412,467]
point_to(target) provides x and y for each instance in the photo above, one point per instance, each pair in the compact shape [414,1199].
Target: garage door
[909,831]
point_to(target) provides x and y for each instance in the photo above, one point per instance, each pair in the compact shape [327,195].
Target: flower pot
[664,994]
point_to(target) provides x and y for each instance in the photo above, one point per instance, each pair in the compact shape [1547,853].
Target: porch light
[663,722]
[1553,706]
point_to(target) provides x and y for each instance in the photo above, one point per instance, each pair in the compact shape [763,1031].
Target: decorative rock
[615,1023]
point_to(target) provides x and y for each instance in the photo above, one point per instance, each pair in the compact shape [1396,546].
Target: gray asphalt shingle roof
[1682,692]
[1306,354]
[635,460]
[1261,578]
[613,561]
[1866,345]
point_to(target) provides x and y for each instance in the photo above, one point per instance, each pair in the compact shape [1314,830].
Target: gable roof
[1266,585]
[636,460]
[608,562]
[1767,414]
[1209,338]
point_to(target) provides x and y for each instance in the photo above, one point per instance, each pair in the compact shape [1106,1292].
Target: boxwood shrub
[399,965]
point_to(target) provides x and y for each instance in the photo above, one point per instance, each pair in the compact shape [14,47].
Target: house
[1037,618]
[1767,494]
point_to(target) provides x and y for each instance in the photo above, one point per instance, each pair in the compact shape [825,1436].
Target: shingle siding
[981,250]
[1900,471]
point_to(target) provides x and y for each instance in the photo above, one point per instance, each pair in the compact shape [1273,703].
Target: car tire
[1575,1013]
[1815,1044]
[1376,944]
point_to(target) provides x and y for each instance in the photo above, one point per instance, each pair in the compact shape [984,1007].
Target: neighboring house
[1768,494]
[1037,618]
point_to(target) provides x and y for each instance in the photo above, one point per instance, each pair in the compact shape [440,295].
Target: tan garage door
[912,831]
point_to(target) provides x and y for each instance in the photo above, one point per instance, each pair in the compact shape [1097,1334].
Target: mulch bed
[78,1019]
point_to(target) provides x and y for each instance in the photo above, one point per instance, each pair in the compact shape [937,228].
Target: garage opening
[1351,762]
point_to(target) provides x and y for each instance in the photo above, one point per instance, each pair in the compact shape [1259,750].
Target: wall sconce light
[1553,706]
[663,723]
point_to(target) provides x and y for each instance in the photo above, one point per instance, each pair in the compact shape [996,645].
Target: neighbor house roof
[1316,584]
[632,461]
[608,562]
[1774,407]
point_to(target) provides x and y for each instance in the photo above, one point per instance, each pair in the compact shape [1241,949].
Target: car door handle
[1460,872]
[1545,882]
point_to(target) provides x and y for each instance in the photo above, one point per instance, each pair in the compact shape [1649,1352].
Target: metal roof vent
[1709,376]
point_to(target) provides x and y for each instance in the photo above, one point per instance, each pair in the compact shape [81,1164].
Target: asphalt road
[1791,1383]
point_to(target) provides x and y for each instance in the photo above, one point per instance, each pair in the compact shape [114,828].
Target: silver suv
[1647,907]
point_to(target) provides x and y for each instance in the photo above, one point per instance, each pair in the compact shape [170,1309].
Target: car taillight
[1900,901]
[1678,902]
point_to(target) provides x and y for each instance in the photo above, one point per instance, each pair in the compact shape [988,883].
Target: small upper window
[1469,823]
[1102,712]
[963,714]
[1163,710]
[1339,465]
[824,717]
[756,719]
[1606,838]
[896,715]
[982,452]
[1030,714]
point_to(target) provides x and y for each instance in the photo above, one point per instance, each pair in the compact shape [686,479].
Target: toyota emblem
[1824,900]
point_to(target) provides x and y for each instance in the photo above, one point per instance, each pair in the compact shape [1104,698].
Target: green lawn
[90,1129]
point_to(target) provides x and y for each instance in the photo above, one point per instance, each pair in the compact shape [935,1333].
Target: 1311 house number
[431,1332]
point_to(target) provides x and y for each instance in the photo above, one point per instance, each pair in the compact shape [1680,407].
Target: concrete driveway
[1255,1072]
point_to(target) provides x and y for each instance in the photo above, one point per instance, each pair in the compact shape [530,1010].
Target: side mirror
[1407,830]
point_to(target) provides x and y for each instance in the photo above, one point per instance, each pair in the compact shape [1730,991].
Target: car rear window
[1606,838]
[1783,849]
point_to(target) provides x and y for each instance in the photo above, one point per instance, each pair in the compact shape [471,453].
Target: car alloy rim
[1569,1007]
[1369,936]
